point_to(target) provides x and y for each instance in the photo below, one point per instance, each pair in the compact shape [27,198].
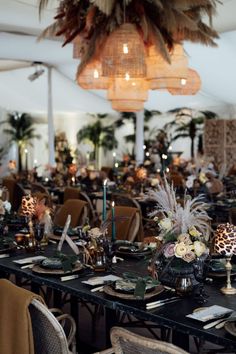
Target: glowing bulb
[133,84]
[183,82]
[114,154]
[164,156]
[147,153]
[116,165]
[127,76]
[35,161]
[167,170]
[125,48]
[158,170]
[144,147]
[26,151]
[96,74]
[170,148]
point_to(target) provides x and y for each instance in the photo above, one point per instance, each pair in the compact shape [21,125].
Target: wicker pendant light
[128,95]
[124,53]
[163,75]
[192,86]
[90,77]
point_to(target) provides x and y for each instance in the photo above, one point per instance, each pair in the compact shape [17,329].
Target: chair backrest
[71,193]
[49,336]
[38,187]
[76,208]
[124,341]
[16,192]
[125,200]
[128,223]
[92,212]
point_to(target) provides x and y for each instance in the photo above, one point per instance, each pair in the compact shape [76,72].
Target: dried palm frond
[160,22]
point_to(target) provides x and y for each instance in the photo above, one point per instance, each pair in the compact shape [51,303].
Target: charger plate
[112,292]
[230,327]
[41,270]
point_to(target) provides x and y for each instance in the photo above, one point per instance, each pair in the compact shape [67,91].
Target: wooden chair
[16,192]
[78,209]
[126,342]
[49,336]
[71,193]
[27,324]
[128,223]
[38,187]
[232,215]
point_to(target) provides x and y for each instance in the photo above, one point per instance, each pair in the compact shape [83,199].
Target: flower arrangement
[184,228]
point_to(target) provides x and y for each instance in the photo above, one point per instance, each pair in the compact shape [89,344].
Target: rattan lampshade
[124,53]
[128,95]
[192,86]
[163,75]
[91,78]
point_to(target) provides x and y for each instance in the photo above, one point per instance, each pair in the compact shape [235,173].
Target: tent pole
[139,137]
[51,157]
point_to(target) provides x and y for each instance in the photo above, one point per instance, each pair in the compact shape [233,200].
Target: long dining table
[171,316]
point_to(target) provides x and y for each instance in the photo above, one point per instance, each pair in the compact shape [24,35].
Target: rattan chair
[126,342]
[49,336]
[128,223]
[74,207]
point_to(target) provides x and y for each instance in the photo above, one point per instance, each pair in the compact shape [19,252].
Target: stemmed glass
[200,272]
[38,234]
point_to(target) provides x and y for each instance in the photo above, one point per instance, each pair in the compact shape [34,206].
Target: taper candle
[104,205]
[113,223]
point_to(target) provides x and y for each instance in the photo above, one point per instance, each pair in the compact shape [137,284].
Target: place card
[210,313]
[29,260]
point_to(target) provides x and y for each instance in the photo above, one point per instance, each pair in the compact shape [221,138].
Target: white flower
[7,206]
[165,224]
[180,249]
[199,248]
[194,232]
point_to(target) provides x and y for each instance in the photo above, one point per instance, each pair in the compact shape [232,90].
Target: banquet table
[171,316]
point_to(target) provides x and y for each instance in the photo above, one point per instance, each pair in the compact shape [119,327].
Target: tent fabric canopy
[20,25]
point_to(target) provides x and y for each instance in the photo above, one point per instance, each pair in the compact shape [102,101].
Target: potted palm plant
[99,134]
[20,131]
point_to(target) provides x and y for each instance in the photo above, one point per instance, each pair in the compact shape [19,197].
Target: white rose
[199,248]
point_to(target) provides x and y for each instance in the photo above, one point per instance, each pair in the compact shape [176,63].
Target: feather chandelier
[159,24]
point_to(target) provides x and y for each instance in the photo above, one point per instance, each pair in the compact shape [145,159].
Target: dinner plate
[126,286]
[109,290]
[47,271]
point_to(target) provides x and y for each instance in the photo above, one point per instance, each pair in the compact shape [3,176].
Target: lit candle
[113,224]
[104,205]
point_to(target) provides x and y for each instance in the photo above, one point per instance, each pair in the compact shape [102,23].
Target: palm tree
[99,134]
[192,128]
[21,132]
[131,116]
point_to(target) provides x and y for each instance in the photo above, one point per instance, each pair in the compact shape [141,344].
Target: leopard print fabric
[28,204]
[225,239]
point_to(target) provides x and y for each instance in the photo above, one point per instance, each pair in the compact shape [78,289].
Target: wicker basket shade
[124,53]
[91,78]
[128,95]
[163,75]
[127,105]
[193,85]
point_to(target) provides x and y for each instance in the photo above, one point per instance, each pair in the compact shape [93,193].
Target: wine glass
[38,234]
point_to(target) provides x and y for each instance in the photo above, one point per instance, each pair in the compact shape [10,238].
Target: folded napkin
[16,336]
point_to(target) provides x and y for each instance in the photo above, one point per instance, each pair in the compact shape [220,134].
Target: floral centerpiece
[184,228]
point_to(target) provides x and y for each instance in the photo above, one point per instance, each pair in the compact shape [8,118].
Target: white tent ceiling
[20,26]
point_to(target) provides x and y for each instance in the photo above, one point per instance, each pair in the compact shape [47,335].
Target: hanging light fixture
[191,86]
[163,75]
[129,94]
[123,53]
[91,77]
[94,27]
